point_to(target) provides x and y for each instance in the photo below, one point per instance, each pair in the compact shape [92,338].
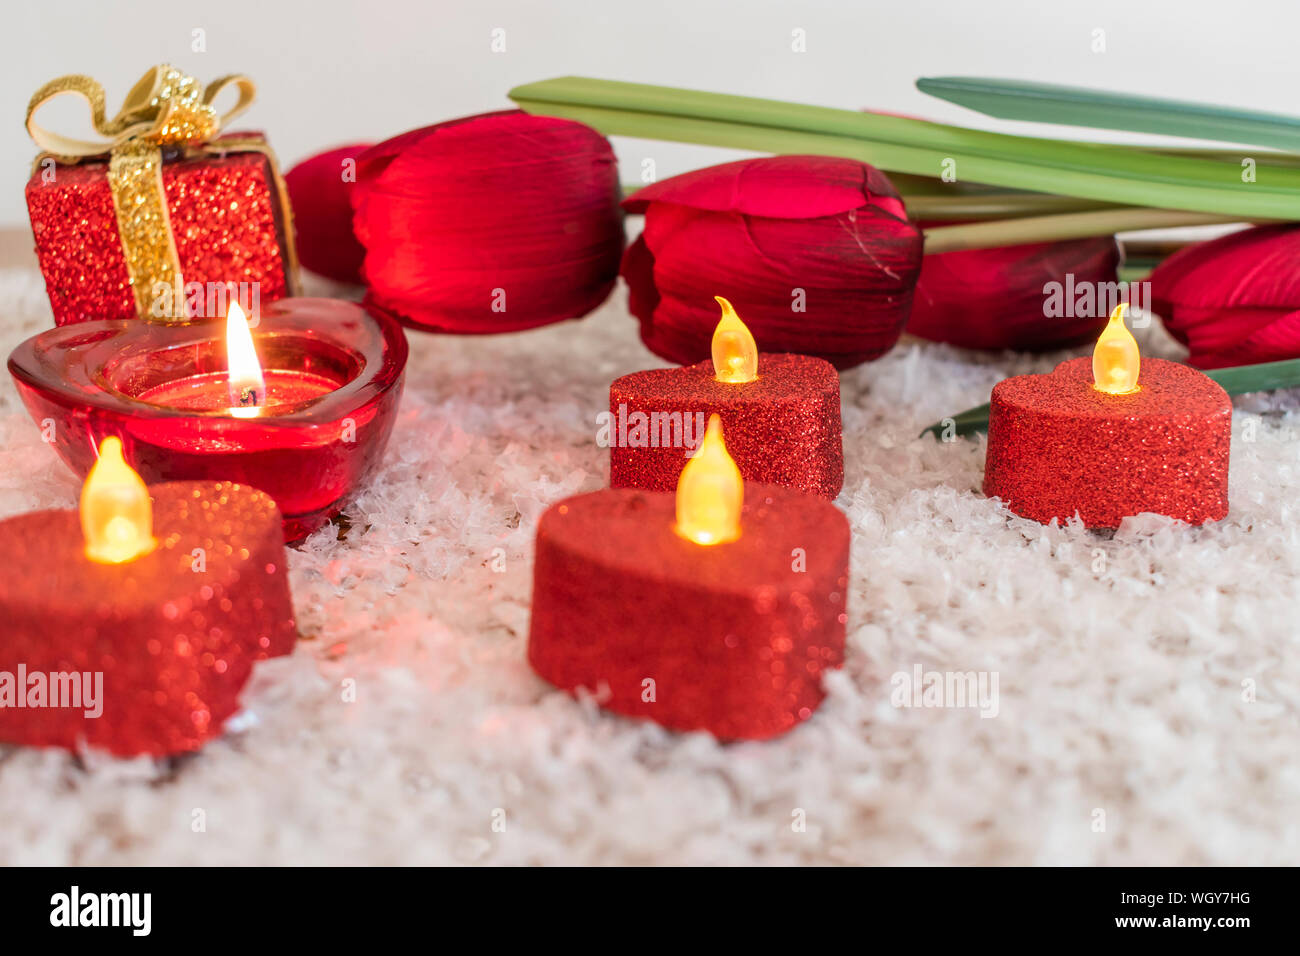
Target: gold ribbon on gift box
[166,109]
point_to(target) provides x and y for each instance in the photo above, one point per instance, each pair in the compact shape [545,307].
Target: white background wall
[335,71]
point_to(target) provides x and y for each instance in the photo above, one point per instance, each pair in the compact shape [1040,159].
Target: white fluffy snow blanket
[1148,706]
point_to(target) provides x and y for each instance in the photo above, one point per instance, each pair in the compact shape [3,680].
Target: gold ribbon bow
[166,108]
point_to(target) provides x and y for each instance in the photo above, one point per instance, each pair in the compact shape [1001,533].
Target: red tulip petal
[638,269]
[1234,300]
[778,187]
[322,213]
[995,298]
[838,286]
[491,224]
[1276,340]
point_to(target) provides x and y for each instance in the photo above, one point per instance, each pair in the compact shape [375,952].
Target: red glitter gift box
[161,198]
[226,215]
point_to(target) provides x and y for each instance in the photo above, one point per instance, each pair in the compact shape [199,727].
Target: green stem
[910,184]
[1134,273]
[1233,156]
[1087,170]
[1157,249]
[1102,222]
[1002,205]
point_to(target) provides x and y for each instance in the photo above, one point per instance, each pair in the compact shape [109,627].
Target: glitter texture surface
[139,199]
[225,219]
[174,633]
[782,429]
[734,637]
[1057,445]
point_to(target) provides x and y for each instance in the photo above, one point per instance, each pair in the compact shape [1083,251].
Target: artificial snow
[1148,701]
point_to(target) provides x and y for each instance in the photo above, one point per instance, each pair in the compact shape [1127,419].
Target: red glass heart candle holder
[333,375]
[1058,446]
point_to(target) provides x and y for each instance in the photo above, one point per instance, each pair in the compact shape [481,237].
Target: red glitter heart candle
[133,626]
[723,619]
[781,413]
[1101,441]
[306,419]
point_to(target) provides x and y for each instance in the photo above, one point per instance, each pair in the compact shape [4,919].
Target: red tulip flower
[816,254]
[322,212]
[491,223]
[1234,300]
[995,298]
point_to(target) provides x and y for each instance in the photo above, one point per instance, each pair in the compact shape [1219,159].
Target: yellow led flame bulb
[116,513]
[1115,360]
[244,371]
[710,492]
[735,353]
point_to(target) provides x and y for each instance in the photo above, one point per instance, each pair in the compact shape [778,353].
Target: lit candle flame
[1115,360]
[735,353]
[244,371]
[116,513]
[710,492]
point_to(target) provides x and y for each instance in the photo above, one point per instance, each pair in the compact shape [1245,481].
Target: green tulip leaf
[1099,109]
[1122,175]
